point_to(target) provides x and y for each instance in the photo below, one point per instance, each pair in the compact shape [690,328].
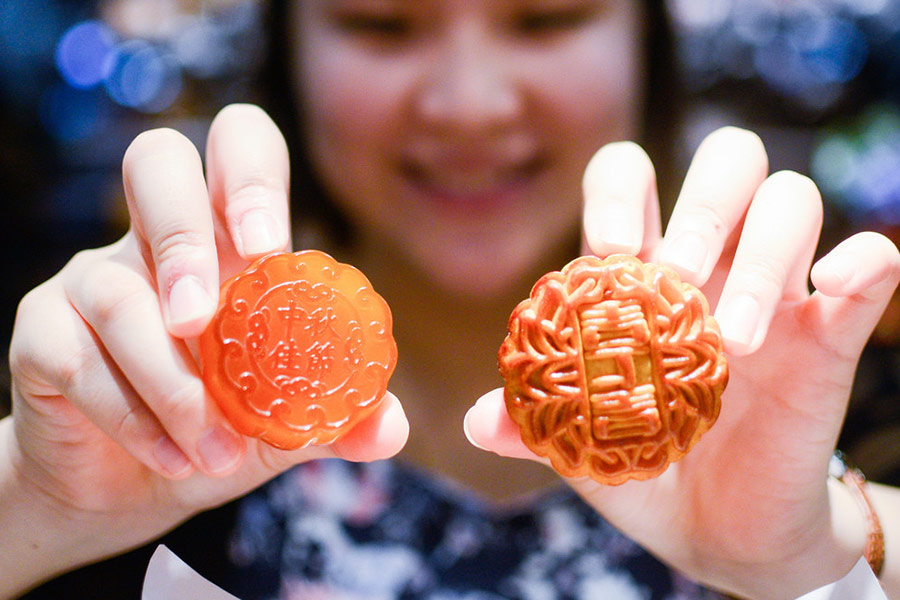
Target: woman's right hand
[113,438]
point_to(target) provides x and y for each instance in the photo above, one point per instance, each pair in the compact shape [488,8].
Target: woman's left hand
[749,509]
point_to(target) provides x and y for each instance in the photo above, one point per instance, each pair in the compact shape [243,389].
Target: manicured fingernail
[686,253]
[259,233]
[170,457]
[219,449]
[189,300]
[738,319]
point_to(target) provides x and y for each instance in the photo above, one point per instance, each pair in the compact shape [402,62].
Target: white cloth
[859,584]
[170,578]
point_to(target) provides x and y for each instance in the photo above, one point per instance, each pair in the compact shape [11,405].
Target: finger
[125,316]
[170,212]
[728,167]
[488,426]
[772,259]
[378,436]
[248,174]
[854,283]
[70,363]
[621,206]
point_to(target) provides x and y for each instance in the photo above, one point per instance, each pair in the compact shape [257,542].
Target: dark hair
[308,197]
[658,135]
[663,102]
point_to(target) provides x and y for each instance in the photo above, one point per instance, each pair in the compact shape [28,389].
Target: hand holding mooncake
[300,349]
[613,368]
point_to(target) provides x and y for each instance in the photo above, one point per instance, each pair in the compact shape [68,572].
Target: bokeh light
[143,77]
[83,53]
[812,53]
[858,167]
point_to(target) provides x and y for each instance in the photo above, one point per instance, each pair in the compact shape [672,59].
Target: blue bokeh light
[83,53]
[143,77]
[835,52]
[858,166]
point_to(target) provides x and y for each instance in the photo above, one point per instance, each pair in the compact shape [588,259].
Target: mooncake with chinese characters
[614,368]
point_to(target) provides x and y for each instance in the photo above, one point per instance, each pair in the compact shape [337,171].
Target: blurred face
[455,132]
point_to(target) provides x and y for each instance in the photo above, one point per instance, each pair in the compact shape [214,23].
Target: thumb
[380,436]
[854,283]
[489,427]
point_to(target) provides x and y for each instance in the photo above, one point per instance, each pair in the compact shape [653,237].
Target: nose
[470,86]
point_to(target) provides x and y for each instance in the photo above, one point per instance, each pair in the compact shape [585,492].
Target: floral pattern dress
[382,531]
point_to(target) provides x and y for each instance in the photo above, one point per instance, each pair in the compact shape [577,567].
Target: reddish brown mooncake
[613,368]
[300,349]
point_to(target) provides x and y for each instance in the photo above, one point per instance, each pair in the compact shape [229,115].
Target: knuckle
[705,217]
[31,305]
[35,319]
[21,357]
[254,189]
[133,423]
[182,404]
[82,262]
[79,261]
[760,272]
[109,298]
[175,242]
[73,368]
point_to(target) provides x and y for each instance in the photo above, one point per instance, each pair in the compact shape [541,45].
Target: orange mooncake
[300,349]
[614,368]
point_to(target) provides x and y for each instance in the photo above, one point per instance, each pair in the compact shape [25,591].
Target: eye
[381,26]
[545,21]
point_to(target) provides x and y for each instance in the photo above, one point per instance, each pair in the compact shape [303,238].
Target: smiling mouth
[472,187]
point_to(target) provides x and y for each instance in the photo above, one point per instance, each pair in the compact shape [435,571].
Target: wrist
[34,540]
[886,500]
[850,526]
[855,482]
[822,551]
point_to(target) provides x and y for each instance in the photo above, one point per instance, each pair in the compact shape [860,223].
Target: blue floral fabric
[382,531]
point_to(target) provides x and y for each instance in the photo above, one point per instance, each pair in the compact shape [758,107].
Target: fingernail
[842,267]
[739,318]
[219,449]
[468,432]
[170,457]
[614,228]
[686,253]
[259,233]
[189,300]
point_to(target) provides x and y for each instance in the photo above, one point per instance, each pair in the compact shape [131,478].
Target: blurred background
[818,79]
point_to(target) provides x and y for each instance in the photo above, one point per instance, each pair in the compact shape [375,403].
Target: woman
[454,138]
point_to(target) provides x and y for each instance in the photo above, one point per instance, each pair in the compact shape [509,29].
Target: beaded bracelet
[853,478]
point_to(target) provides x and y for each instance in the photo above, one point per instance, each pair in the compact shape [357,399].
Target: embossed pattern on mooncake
[300,349]
[613,368]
